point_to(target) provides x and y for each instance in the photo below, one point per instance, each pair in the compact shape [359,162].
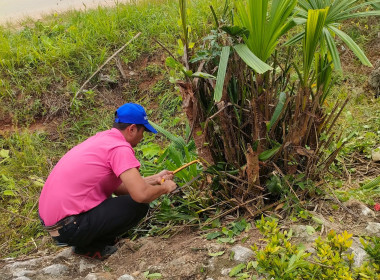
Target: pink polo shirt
[86,175]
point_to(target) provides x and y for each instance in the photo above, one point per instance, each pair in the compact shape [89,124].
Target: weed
[280,259]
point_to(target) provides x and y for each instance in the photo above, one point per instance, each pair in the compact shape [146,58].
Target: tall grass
[56,55]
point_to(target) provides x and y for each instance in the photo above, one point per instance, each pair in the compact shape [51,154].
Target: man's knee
[143,209]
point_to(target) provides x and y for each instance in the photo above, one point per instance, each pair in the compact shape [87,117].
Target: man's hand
[140,189]
[159,178]
[166,175]
[169,185]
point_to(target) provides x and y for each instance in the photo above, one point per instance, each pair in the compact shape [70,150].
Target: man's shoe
[98,253]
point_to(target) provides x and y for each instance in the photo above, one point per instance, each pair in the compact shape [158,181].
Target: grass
[55,56]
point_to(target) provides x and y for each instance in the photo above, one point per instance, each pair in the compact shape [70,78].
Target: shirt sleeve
[122,158]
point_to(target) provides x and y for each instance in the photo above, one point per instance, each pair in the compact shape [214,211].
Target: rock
[56,270]
[301,232]
[310,249]
[25,264]
[373,229]
[85,265]
[22,278]
[376,154]
[359,253]
[210,265]
[65,254]
[126,277]
[23,272]
[241,254]
[225,271]
[209,278]
[94,276]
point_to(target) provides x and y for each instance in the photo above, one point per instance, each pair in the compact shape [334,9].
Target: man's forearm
[152,180]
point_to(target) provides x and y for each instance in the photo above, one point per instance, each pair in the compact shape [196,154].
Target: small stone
[310,249]
[85,265]
[376,154]
[22,272]
[55,269]
[209,278]
[94,276]
[23,264]
[22,278]
[300,231]
[373,229]
[65,254]
[91,276]
[126,277]
[359,253]
[211,264]
[241,254]
[136,273]
[225,271]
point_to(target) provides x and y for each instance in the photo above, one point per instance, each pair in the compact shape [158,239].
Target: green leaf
[151,150]
[172,63]
[317,220]
[179,141]
[278,110]
[372,184]
[314,26]
[221,73]
[226,240]
[4,153]
[236,31]
[9,193]
[252,60]
[266,22]
[237,269]
[203,75]
[154,276]
[333,50]
[216,254]
[213,235]
[269,153]
[310,230]
[352,45]
[188,73]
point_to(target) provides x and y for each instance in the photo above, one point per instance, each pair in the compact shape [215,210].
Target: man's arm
[157,178]
[141,191]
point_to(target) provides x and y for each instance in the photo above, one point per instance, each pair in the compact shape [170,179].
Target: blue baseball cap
[134,114]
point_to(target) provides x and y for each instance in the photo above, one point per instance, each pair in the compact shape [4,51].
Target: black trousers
[101,225]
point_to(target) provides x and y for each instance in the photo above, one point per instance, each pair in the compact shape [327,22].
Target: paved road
[14,10]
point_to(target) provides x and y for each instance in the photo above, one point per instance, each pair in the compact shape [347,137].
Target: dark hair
[122,126]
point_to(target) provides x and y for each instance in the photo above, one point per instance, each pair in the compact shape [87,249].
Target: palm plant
[338,11]
[255,119]
[265,27]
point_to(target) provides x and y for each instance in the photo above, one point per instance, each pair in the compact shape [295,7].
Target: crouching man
[76,205]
